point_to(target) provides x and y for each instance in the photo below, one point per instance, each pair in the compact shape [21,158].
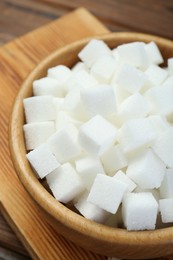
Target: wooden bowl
[90,235]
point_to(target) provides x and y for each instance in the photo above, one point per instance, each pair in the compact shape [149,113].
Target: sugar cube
[63,145]
[139,211]
[42,160]
[65,183]
[168,80]
[133,53]
[154,53]
[48,86]
[121,176]
[87,168]
[97,135]
[135,106]
[104,68]
[166,188]
[155,193]
[120,93]
[37,133]
[163,147]
[60,73]
[39,109]
[99,100]
[80,80]
[159,124]
[161,99]
[73,105]
[63,119]
[91,211]
[58,103]
[136,134]
[130,78]
[107,193]
[156,74]
[170,66]
[114,159]
[93,51]
[166,210]
[79,66]
[146,170]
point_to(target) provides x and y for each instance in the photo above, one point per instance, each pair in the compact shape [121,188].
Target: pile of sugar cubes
[101,133]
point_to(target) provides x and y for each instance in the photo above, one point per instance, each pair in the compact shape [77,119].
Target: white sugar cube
[146,170]
[104,68]
[63,145]
[166,210]
[87,168]
[58,103]
[42,160]
[156,75]
[79,66]
[37,133]
[91,211]
[161,98]
[121,176]
[48,86]
[163,147]
[93,51]
[114,119]
[130,78]
[99,100]
[115,54]
[63,119]
[133,53]
[135,106]
[65,183]
[97,135]
[60,73]
[73,104]
[113,160]
[168,81]
[155,192]
[120,93]
[159,124]
[136,134]
[170,66]
[154,53]
[107,193]
[139,211]
[39,109]
[166,188]
[80,80]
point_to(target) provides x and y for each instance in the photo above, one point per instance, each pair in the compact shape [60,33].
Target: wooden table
[18,17]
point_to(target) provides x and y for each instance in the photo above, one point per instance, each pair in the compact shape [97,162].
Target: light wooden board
[17,59]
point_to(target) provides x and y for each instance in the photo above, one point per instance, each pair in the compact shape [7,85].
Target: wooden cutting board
[17,59]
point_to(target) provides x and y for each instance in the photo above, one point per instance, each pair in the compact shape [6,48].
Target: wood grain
[126,15]
[9,240]
[146,16]
[17,59]
[10,255]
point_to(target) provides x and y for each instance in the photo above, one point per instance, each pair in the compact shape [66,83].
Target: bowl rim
[42,197]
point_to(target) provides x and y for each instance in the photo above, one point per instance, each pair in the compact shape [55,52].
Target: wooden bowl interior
[93,236]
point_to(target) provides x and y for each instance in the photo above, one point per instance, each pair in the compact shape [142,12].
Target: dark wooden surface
[18,17]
